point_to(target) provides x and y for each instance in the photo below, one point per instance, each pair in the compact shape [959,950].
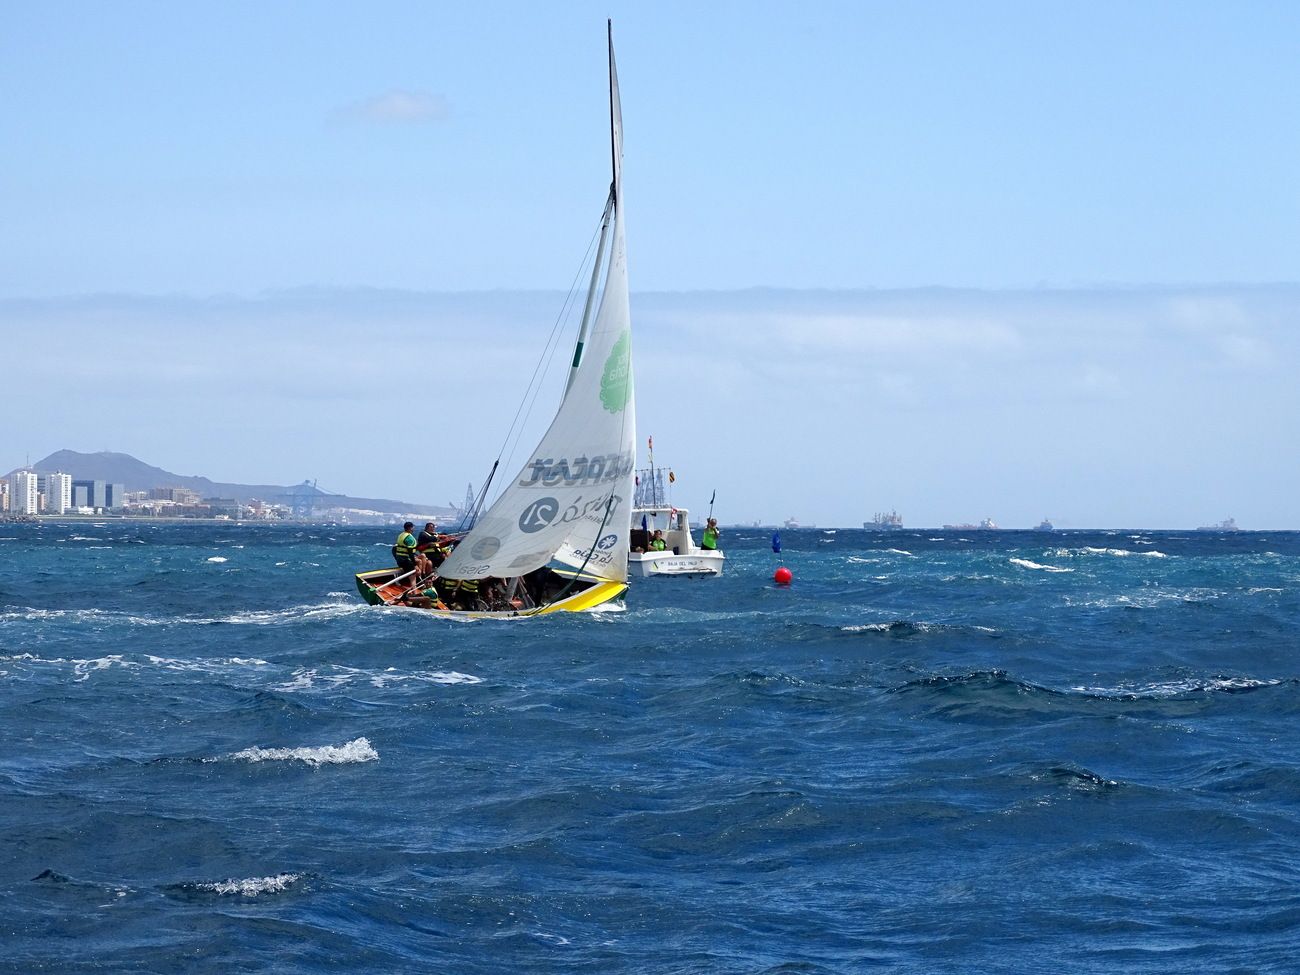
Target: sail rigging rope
[542,368]
[609,509]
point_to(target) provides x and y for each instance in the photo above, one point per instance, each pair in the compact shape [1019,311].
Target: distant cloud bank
[1147,407]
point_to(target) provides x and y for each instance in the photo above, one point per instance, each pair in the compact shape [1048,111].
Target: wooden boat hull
[378,589]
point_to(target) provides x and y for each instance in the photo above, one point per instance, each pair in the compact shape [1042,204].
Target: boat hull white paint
[699,563]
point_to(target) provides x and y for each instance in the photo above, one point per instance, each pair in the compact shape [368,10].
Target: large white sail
[571,501]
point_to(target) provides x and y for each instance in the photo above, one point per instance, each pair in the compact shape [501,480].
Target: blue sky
[1040,156]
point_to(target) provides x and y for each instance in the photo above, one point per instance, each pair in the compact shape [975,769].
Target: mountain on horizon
[136,475]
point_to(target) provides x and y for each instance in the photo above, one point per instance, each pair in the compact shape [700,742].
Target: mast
[591,292]
[613,143]
[615,150]
[615,121]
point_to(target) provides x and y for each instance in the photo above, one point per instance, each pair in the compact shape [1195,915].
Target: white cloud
[397,106]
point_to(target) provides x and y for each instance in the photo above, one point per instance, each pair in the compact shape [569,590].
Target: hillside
[136,475]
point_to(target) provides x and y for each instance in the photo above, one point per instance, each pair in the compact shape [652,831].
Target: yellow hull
[376,588]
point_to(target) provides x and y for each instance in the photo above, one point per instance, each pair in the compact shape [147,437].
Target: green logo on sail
[616,380]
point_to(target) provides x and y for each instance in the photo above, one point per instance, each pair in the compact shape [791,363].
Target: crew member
[432,545]
[404,550]
[657,543]
[466,595]
[428,537]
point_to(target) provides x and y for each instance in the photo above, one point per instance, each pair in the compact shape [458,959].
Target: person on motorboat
[657,543]
[710,539]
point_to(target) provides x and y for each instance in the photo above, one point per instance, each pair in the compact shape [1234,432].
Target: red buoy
[783,576]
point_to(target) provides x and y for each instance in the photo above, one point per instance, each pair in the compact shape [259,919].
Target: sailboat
[556,539]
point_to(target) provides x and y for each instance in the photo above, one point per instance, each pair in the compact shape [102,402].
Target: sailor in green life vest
[461,593]
[657,543]
[710,539]
[432,545]
[404,550]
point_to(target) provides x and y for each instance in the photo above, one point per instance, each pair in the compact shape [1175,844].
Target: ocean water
[934,752]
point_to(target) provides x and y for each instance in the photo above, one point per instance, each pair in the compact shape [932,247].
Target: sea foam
[252,886]
[1026,564]
[354,752]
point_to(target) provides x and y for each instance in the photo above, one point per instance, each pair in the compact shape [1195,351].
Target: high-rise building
[4,494]
[57,488]
[23,492]
[179,495]
[115,496]
[95,494]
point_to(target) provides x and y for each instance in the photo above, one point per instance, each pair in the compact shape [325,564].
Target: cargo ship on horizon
[884,522]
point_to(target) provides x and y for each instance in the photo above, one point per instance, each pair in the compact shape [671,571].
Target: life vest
[710,540]
[405,547]
[658,545]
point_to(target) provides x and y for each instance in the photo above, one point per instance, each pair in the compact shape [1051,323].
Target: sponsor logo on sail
[538,515]
[485,548]
[582,470]
[616,380]
[545,511]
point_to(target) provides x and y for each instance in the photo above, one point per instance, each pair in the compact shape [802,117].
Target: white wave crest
[84,668]
[1026,564]
[253,886]
[1148,599]
[307,679]
[901,625]
[898,551]
[555,939]
[218,558]
[269,617]
[1176,688]
[341,606]
[1118,553]
[353,753]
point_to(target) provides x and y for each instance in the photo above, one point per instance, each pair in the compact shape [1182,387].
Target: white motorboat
[680,556]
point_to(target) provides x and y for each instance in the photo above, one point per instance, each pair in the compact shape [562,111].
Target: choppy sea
[933,752]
